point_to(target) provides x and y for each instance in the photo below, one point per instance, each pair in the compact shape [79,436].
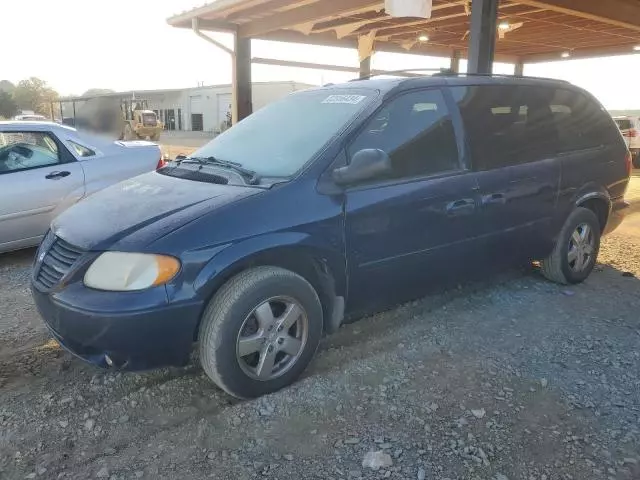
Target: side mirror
[365,165]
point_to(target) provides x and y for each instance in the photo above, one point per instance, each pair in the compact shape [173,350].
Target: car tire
[248,325]
[576,250]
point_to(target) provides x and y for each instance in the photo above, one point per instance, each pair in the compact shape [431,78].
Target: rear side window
[511,125]
[416,131]
[81,150]
[624,123]
[27,150]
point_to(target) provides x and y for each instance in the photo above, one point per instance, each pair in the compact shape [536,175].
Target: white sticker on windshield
[350,99]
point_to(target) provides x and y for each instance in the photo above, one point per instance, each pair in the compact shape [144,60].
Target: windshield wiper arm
[252,177]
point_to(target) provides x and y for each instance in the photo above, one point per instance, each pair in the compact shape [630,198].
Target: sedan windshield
[280,139]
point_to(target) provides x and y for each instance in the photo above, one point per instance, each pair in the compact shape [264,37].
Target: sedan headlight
[125,272]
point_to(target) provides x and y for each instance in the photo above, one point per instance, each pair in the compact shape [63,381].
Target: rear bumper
[145,332]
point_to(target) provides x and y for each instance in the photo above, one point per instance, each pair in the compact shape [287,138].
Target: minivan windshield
[281,138]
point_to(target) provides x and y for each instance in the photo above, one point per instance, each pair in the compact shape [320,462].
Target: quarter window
[417,133]
[81,150]
[511,125]
[27,150]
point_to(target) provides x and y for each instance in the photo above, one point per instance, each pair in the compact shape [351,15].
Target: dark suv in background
[333,201]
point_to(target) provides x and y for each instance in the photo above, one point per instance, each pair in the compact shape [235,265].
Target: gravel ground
[508,378]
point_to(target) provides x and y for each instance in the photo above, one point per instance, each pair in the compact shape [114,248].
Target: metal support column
[518,70]
[365,68]
[242,95]
[455,61]
[482,41]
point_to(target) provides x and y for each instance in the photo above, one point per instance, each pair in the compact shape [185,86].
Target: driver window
[416,131]
[27,150]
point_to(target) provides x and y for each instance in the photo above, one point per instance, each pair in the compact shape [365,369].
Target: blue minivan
[330,203]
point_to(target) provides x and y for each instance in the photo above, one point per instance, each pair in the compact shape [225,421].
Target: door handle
[56,175]
[494,199]
[461,207]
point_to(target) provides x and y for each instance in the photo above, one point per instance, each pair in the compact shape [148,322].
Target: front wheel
[260,331]
[576,250]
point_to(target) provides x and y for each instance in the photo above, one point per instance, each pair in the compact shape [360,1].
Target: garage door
[224,106]
[196,104]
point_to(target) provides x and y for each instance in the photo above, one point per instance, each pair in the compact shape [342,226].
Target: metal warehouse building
[202,108]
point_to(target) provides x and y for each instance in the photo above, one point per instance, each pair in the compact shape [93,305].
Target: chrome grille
[56,263]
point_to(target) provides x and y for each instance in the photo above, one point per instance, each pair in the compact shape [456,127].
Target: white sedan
[45,168]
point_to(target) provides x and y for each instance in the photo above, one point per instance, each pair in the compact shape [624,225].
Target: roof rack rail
[406,70]
[447,72]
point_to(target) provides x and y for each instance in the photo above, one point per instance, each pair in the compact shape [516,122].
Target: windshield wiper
[250,176]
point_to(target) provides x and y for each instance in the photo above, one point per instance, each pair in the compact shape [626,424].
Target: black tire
[556,267]
[225,316]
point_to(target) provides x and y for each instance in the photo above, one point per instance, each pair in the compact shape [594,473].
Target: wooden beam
[612,12]
[296,64]
[454,64]
[324,66]
[365,67]
[328,39]
[582,53]
[314,12]
[347,21]
[518,69]
[482,39]
[402,25]
[242,84]
[260,9]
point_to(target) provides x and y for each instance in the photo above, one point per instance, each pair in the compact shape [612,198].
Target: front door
[418,225]
[38,178]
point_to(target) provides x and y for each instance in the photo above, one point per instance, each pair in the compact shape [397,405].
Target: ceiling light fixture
[504,25]
[565,54]
[637,48]
[424,37]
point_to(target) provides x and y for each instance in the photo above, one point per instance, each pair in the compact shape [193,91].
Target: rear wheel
[576,250]
[260,331]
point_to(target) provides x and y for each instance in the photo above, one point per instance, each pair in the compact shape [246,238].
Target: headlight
[124,272]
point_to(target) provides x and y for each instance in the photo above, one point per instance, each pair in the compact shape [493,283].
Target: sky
[76,45]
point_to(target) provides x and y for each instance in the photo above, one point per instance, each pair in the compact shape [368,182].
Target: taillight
[629,163]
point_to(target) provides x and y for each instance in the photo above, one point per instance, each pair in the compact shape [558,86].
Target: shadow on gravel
[18,258]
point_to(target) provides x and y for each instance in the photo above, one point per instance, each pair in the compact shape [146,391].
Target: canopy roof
[529,30]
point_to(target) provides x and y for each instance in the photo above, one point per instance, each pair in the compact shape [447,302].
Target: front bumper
[124,330]
[148,131]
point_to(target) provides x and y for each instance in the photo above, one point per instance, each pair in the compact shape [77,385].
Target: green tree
[34,94]
[7,86]
[8,107]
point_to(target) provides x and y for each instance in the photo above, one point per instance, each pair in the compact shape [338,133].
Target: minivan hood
[138,211]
